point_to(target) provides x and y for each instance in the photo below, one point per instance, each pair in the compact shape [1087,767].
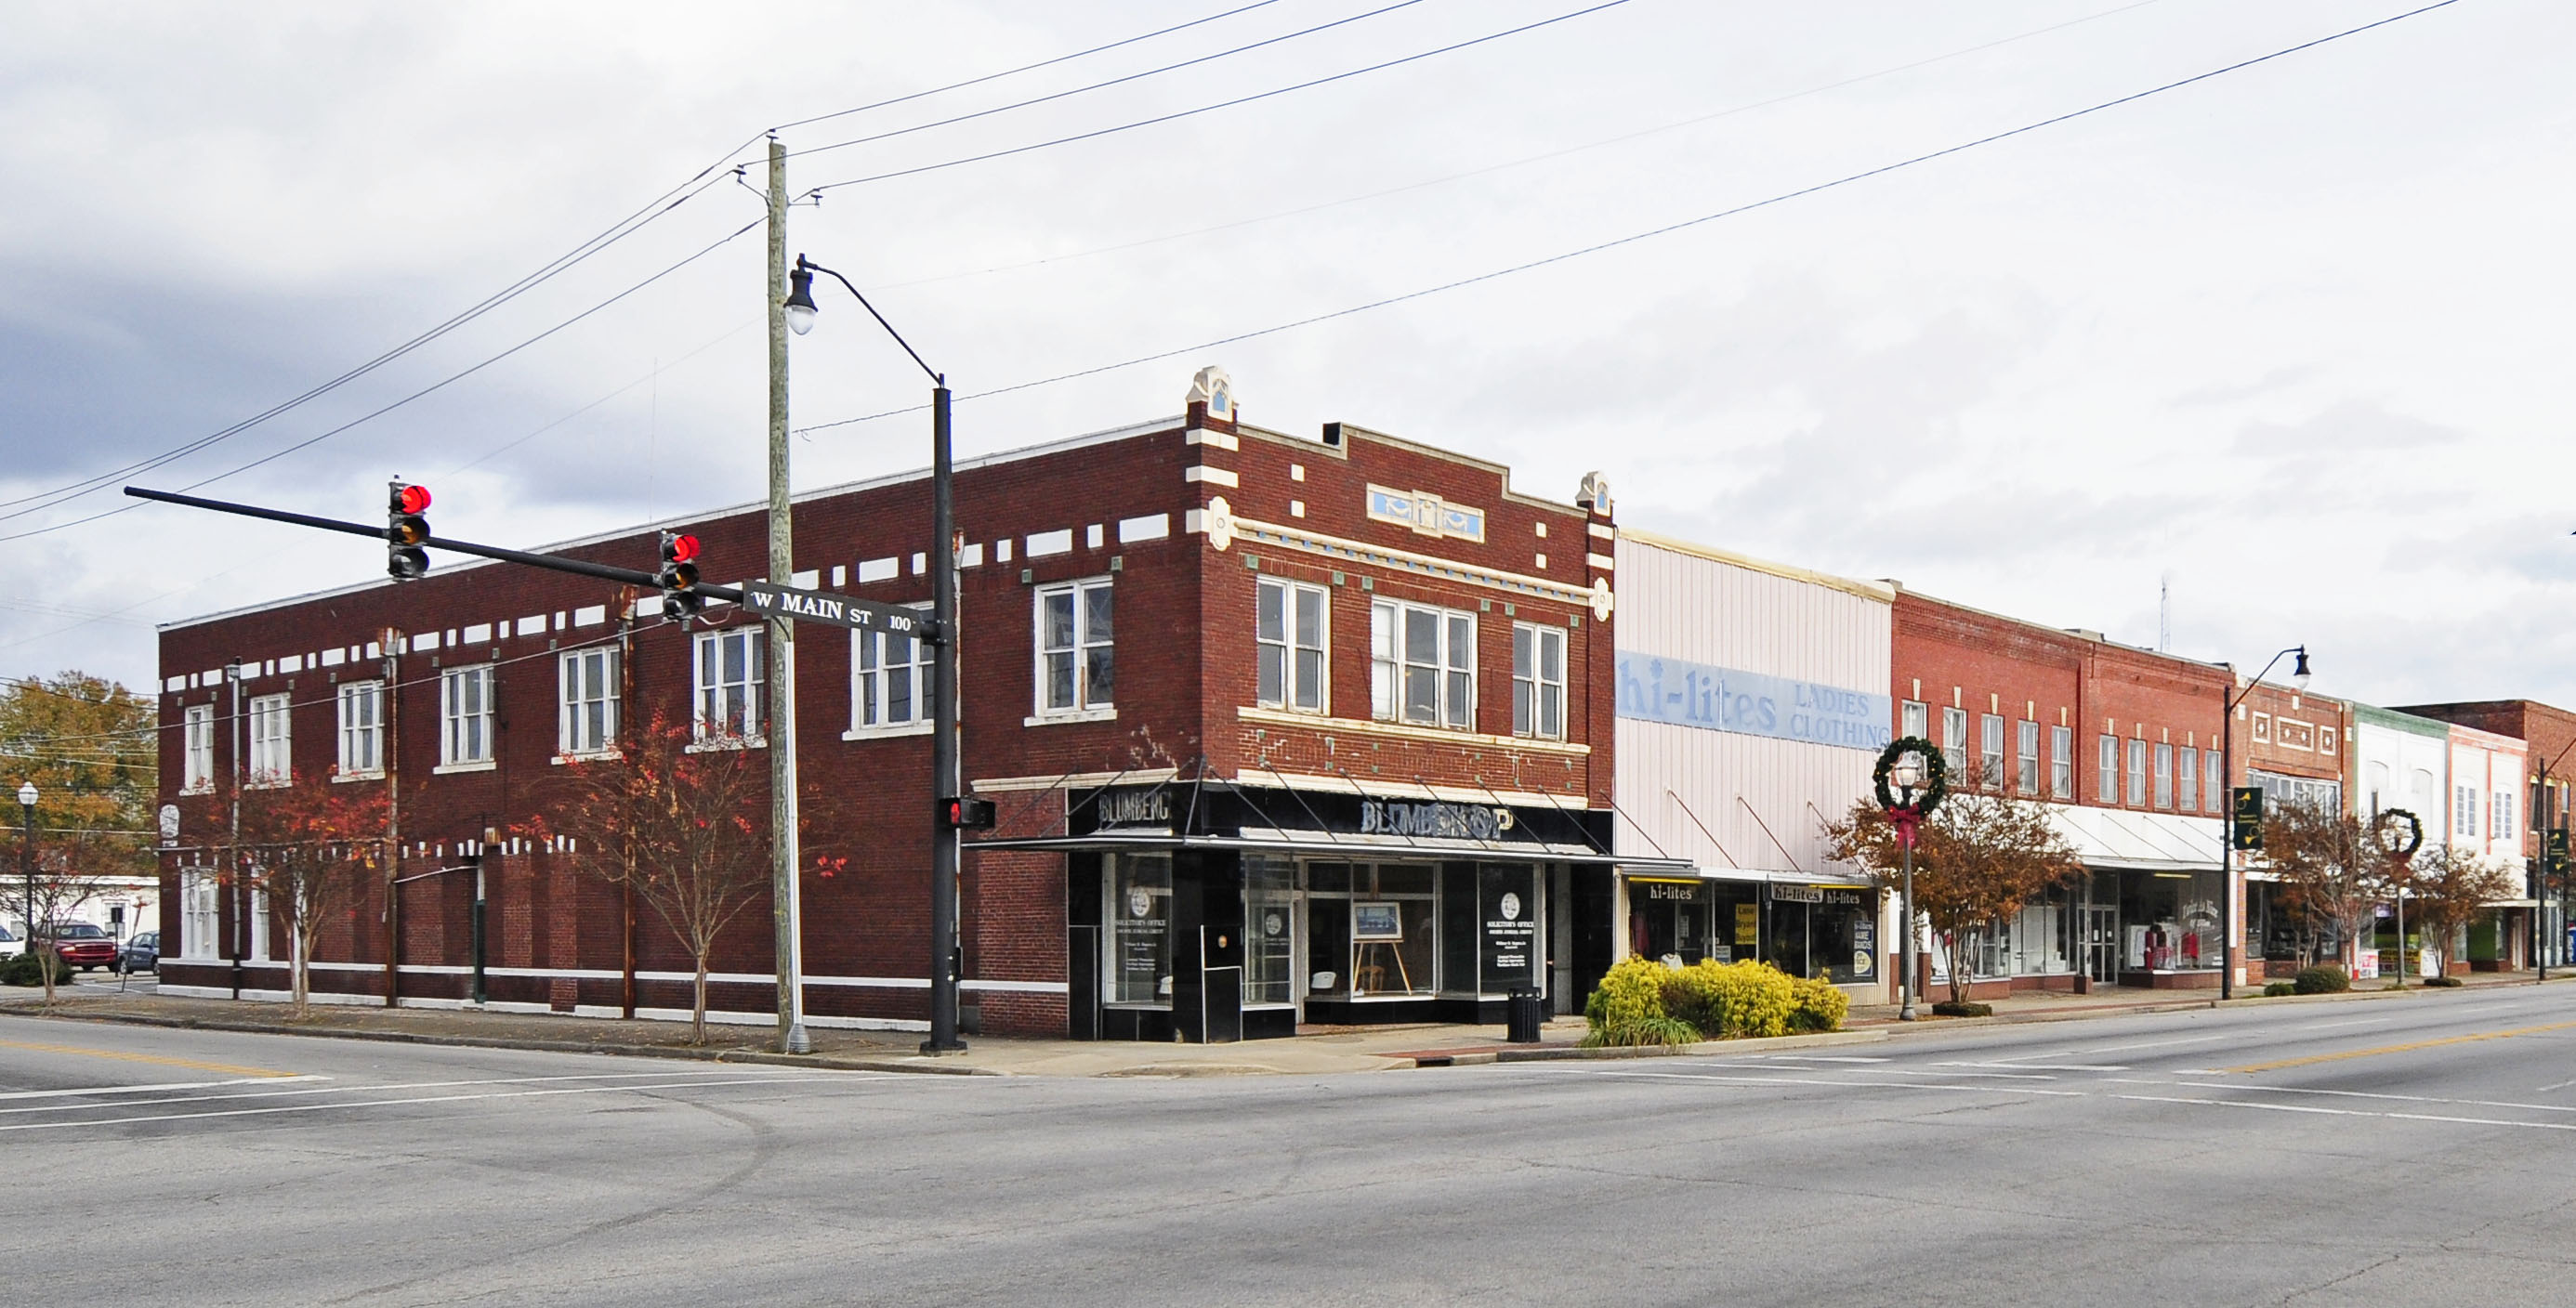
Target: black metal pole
[2226,833]
[943,738]
[1905,924]
[479,992]
[27,866]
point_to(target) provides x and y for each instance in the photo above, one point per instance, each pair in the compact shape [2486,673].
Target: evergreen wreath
[1936,774]
[2414,838]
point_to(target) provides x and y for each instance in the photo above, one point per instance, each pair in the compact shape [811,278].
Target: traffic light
[406,531]
[967,813]
[679,577]
[2245,817]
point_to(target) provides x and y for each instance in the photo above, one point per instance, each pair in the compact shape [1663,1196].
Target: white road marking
[2358,1021]
[436,1099]
[2045,1067]
[150,1086]
[2352,1112]
[369,1088]
[2559,1086]
[2154,1044]
[1862,1085]
[2368,1094]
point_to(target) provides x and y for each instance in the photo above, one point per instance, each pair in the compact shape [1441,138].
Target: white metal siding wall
[1705,611]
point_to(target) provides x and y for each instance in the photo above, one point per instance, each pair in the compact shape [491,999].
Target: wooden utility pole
[393,817]
[785,910]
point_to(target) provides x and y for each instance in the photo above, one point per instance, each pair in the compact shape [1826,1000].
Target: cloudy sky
[2291,337]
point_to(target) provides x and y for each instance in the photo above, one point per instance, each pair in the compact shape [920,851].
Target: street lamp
[1908,776]
[801,311]
[2399,840]
[27,854]
[1913,766]
[2227,772]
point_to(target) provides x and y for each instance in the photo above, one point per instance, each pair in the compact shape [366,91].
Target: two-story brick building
[1280,728]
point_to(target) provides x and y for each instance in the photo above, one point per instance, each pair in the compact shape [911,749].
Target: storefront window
[1669,919]
[1829,932]
[1269,928]
[1395,933]
[2169,921]
[1507,906]
[1139,896]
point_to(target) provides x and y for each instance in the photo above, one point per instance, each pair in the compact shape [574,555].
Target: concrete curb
[681,1053]
[1565,1053]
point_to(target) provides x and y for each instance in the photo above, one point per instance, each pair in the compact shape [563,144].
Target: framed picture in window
[1377,921]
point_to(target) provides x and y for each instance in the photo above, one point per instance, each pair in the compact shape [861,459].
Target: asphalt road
[2405,1151]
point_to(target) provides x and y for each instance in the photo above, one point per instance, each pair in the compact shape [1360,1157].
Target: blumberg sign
[1449,821]
[1653,688]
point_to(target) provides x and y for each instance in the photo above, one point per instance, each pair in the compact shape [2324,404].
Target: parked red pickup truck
[81,945]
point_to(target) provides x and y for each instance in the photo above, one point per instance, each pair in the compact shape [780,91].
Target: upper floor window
[2026,770]
[1954,743]
[2107,769]
[2215,793]
[2464,812]
[2137,774]
[362,728]
[728,676]
[197,771]
[586,716]
[1289,638]
[2164,775]
[2061,762]
[2500,815]
[1422,664]
[1990,757]
[890,680]
[465,715]
[1918,719]
[272,761]
[1538,681]
[1075,670]
[2186,778]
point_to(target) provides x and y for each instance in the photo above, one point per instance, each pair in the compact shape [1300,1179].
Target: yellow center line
[164,1060]
[2278,1064]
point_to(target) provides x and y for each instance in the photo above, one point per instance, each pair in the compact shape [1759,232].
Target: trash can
[1528,1014]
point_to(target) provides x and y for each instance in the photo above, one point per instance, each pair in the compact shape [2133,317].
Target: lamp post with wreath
[1921,778]
[2399,833]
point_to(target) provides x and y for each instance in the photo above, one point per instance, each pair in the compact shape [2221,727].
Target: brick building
[2518,746]
[2123,744]
[1280,728]
[2299,749]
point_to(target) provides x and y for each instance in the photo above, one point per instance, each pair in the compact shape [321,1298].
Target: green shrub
[1963,1008]
[1730,1001]
[24,970]
[1820,1005]
[2278,988]
[2441,981]
[1627,1008]
[1643,1002]
[2323,979]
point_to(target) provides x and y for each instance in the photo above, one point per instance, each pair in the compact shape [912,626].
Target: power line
[1222,104]
[1515,163]
[1024,68]
[1096,86]
[450,379]
[1651,233]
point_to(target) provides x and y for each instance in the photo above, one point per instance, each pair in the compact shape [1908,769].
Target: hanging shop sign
[1653,688]
[1186,808]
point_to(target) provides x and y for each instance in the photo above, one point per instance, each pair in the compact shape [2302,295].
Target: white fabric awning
[2151,842]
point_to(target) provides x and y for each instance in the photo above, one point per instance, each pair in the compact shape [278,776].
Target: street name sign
[840,610]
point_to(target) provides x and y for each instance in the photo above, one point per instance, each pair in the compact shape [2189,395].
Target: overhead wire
[1179,114]
[1097,86]
[1664,230]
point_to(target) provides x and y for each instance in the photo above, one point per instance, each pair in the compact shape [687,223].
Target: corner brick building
[1280,729]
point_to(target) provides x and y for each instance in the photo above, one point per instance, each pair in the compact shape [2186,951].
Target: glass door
[2102,943]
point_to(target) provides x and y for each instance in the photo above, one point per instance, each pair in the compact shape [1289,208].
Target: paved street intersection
[2408,1150]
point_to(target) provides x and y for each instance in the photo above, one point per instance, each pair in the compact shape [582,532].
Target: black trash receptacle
[1528,1014]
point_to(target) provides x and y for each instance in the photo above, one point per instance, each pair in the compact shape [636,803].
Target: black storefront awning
[1210,815]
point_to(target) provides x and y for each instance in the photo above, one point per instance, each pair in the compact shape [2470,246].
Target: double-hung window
[1289,637]
[1538,681]
[2215,793]
[1075,671]
[197,775]
[890,676]
[2107,771]
[465,716]
[2061,762]
[2464,811]
[2500,815]
[2164,774]
[1422,664]
[586,718]
[2187,778]
[1954,743]
[2137,774]
[1917,721]
[2026,773]
[362,728]
[272,750]
[1990,757]
[728,686]
[198,934]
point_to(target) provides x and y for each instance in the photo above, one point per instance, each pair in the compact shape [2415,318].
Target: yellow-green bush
[1643,1002]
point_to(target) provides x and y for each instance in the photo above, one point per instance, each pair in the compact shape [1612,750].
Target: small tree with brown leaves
[63,884]
[307,846]
[686,831]
[2334,871]
[1979,857]
[2447,889]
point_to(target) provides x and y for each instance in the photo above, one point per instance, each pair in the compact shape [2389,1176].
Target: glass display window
[1269,929]
[1138,896]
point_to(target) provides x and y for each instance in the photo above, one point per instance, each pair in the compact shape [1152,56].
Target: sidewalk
[1315,1052]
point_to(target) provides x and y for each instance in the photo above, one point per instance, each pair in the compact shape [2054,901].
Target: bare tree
[687,831]
[62,886]
[308,847]
[2446,889]
[1981,855]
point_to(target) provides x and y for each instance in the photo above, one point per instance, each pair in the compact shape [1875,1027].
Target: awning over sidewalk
[2147,842]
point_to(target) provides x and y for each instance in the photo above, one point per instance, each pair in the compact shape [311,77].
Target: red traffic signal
[967,813]
[679,549]
[411,499]
[406,531]
[679,577]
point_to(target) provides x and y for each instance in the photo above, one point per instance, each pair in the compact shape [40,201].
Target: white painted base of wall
[726,1017]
